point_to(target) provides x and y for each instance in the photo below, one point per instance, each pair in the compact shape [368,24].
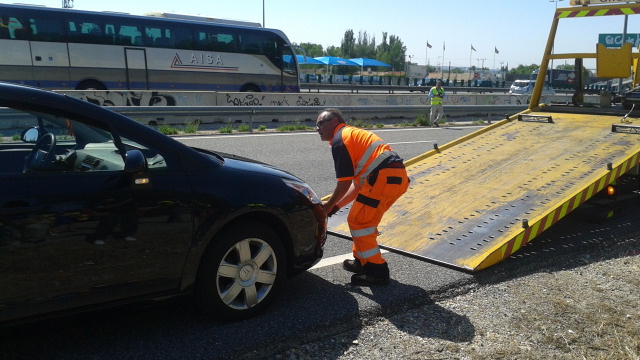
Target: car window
[59,144]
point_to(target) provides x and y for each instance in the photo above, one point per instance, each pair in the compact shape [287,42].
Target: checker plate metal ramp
[477,200]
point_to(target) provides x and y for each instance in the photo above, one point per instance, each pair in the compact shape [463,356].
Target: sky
[517,29]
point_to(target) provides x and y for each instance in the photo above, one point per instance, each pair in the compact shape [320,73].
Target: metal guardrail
[226,114]
[356,88]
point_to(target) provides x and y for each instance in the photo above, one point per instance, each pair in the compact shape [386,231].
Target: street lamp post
[551,70]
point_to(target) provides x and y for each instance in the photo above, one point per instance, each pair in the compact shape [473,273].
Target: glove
[334,210]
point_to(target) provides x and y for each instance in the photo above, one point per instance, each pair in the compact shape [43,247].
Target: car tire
[241,272]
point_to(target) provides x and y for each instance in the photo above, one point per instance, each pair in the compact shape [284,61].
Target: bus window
[214,41]
[46,30]
[224,42]
[87,32]
[153,36]
[16,30]
[288,66]
[182,38]
[251,44]
[4,28]
[129,35]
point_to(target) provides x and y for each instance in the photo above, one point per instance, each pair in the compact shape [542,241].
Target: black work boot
[353,266]
[372,274]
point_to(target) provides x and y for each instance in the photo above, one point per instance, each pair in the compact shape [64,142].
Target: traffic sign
[615,40]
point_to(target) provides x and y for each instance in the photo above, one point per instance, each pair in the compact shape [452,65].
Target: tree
[312,50]
[334,51]
[348,45]
[523,69]
[364,48]
[392,52]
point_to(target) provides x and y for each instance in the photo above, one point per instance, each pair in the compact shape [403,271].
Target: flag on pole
[496,50]
[472,49]
[429,45]
[443,46]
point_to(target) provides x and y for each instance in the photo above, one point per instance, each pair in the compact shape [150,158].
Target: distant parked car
[98,210]
[630,98]
[525,87]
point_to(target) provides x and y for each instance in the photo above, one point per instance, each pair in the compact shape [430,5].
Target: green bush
[243,128]
[360,124]
[227,129]
[262,128]
[167,130]
[293,127]
[192,127]
[422,120]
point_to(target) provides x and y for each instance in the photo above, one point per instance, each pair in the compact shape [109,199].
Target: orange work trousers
[378,193]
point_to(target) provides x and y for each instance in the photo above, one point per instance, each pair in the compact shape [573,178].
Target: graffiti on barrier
[246,100]
[128,98]
[310,102]
[283,102]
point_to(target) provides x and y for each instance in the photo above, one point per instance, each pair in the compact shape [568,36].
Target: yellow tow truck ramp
[477,200]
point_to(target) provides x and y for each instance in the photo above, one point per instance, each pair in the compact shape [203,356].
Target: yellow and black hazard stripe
[627,10]
[535,229]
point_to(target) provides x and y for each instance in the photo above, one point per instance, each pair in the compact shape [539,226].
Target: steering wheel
[42,154]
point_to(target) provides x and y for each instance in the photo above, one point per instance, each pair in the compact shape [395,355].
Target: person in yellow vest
[373,176]
[436,94]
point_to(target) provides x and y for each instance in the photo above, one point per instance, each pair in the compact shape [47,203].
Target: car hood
[247,164]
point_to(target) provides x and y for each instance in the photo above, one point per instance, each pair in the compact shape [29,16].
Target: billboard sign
[615,40]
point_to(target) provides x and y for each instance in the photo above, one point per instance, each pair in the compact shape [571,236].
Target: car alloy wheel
[246,274]
[241,272]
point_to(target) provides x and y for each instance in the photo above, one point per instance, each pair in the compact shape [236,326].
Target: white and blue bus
[72,49]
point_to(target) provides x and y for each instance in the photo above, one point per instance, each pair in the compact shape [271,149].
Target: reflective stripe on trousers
[369,207]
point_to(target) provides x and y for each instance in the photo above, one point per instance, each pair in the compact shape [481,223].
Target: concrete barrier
[258,99]
[335,99]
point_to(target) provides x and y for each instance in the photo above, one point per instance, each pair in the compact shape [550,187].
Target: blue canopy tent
[334,60]
[362,62]
[302,60]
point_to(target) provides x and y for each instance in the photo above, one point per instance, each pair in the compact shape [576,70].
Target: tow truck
[477,200]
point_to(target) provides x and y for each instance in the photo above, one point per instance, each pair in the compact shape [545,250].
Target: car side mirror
[30,135]
[135,162]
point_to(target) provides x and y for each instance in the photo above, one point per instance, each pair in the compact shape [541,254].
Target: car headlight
[303,189]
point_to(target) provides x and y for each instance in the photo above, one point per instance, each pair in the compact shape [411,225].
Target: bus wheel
[250,88]
[91,85]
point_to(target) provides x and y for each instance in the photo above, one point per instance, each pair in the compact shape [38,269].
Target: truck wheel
[250,88]
[241,272]
[91,85]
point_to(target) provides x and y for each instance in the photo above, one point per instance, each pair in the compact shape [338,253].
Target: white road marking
[412,142]
[338,259]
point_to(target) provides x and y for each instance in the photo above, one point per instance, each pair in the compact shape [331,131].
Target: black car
[98,210]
